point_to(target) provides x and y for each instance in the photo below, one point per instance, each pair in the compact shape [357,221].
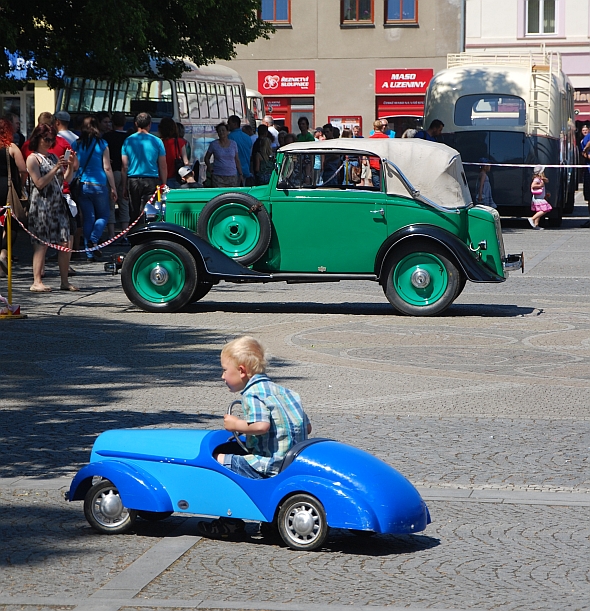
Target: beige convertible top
[433,169]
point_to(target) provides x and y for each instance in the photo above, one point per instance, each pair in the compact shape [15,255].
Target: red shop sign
[403,81]
[286,82]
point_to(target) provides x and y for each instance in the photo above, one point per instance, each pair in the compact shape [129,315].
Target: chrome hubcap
[420,278]
[303,523]
[108,509]
[159,275]
[111,506]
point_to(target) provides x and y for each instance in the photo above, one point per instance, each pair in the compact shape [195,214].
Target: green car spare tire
[420,279]
[238,225]
[159,276]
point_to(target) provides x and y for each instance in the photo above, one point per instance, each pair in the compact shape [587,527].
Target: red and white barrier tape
[66,249]
[523,165]
[61,248]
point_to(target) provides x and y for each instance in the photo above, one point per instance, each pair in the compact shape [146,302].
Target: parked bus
[510,109]
[200,99]
[255,105]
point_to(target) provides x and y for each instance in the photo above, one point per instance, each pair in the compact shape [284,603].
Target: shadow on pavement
[31,533]
[65,381]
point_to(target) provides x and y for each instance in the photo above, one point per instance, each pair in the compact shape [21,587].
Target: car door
[326,229]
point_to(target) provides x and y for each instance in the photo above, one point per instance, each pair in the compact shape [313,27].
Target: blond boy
[274,420]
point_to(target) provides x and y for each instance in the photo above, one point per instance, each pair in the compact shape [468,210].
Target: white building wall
[499,26]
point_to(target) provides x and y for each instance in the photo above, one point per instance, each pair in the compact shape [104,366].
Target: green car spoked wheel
[238,225]
[420,279]
[159,276]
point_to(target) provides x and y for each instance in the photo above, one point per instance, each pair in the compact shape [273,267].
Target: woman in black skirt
[18,171]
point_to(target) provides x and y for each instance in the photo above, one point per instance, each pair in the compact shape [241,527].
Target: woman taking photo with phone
[96,178]
[48,217]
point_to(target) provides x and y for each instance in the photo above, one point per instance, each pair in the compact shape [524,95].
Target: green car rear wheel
[420,279]
[159,276]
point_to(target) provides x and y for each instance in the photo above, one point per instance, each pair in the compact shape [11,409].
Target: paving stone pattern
[473,556]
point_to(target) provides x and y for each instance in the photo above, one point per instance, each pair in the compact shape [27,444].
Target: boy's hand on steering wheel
[231,423]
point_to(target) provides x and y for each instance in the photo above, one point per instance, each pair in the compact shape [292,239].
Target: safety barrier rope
[61,248]
[524,165]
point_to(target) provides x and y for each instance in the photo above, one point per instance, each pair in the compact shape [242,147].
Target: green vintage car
[418,235]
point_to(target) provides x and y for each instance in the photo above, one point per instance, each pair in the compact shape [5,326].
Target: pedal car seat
[294,452]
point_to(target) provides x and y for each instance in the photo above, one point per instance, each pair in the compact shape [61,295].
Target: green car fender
[459,252]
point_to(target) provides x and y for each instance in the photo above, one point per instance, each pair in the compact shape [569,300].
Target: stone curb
[118,604]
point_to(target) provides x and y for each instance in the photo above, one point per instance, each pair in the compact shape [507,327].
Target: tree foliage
[111,38]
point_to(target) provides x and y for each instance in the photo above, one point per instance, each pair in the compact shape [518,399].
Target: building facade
[558,25]
[25,102]
[350,61]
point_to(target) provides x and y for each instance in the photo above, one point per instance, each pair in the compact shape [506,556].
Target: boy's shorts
[238,464]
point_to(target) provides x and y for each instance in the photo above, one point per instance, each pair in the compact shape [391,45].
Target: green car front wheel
[420,279]
[159,276]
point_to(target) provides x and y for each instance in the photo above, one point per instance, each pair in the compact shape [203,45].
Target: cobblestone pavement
[486,409]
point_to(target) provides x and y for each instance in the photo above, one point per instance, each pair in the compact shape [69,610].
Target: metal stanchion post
[8,228]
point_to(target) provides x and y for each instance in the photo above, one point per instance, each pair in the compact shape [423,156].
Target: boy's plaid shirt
[265,401]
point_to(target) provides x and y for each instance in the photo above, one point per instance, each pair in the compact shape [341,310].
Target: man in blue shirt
[143,165]
[432,133]
[244,143]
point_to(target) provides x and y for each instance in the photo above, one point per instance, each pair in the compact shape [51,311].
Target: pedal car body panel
[160,470]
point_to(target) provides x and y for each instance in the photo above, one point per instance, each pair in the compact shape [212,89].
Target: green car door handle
[381,212]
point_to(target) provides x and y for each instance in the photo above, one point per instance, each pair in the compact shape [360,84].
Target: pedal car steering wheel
[235,433]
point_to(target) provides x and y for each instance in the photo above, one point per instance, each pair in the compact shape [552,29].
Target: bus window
[222,101]
[181,97]
[74,90]
[212,98]
[153,96]
[230,99]
[490,110]
[203,104]
[87,96]
[239,98]
[101,96]
[193,100]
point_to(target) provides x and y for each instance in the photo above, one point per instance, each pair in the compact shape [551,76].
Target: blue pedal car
[152,473]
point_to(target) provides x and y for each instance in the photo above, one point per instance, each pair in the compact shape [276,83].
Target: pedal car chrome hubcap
[303,523]
[108,509]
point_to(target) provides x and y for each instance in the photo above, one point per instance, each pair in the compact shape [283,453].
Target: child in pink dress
[539,205]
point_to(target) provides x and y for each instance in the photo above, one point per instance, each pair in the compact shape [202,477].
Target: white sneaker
[531,223]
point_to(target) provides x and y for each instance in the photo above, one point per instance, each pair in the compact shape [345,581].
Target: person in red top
[61,144]
[175,149]
[374,161]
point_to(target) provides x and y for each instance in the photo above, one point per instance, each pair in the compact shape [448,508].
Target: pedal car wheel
[154,516]
[302,522]
[419,279]
[238,225]
[105,511]
[159,276]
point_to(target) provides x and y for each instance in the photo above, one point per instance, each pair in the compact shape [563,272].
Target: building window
[401,11]
[357,11]
[276,11]
[540,17]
